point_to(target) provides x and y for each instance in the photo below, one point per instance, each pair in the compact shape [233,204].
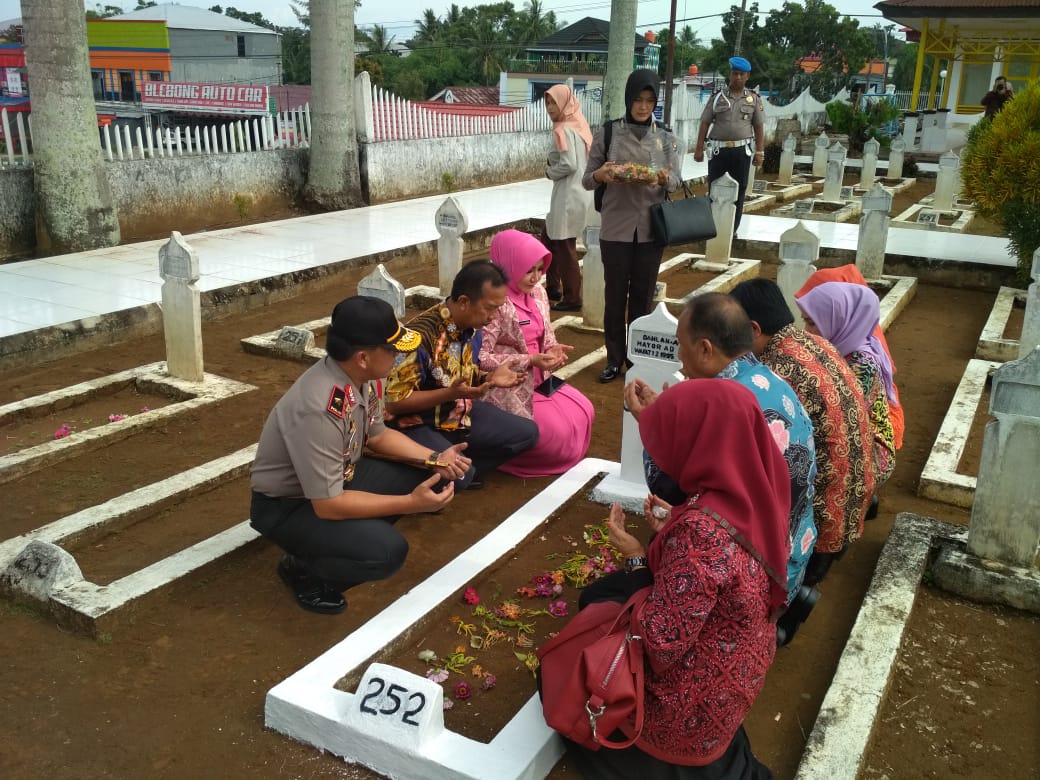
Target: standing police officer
[315,495]
[735,115]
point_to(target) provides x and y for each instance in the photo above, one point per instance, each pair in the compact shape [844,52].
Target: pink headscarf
[570,116]
[516,253]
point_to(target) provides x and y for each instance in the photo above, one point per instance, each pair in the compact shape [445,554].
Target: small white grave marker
[819,160]
[1005,516]
[724,191]
[293,342]
[799,249]
[787,160]
[40,568]
[181,308]
[870,157]
[380,284]
[928,217]
[896,153]
[451,224]
[947,181]
[592,284]
[653,349]
[873,232]
[835,172]
[398,708]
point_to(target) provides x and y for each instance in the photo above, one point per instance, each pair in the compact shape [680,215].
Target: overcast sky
[398,15]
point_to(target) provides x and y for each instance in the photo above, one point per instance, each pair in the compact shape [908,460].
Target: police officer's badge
[336,401]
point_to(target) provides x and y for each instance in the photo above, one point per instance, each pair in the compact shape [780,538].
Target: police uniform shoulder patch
[351,398]
[336,402]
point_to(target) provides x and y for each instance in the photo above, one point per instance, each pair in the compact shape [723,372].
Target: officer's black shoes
[320,599]
[609,374]
[311,593]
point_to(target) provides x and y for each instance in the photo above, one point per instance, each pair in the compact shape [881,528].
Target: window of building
[241,46]
[155,75]
[97,80]
[126,86]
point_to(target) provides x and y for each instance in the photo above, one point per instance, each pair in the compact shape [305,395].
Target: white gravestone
[181,308]
[1030,337]
[873,232]
[40,569]
[1005,517]
[451,224]
[752,172]
[654,351]
[293,342]
[870,157]
[380,284]
[397,709]
[787,160]
[724,192]
[835,172]
[799,249]
[896,153]
[819,157]
[910,120]
[946,181]
[592,290]
[933,134]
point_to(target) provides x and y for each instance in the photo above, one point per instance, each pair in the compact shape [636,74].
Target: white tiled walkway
[53,291]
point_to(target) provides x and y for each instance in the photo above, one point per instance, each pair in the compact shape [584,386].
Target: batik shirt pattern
[827,388]
[868,374]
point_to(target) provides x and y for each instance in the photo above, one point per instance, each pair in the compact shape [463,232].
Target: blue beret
[739,63]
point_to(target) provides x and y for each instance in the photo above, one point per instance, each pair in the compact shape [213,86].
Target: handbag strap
[686,191]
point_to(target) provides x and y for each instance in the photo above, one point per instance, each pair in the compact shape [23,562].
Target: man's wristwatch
[635,562]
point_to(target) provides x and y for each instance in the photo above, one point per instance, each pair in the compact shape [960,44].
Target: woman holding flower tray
[639,167]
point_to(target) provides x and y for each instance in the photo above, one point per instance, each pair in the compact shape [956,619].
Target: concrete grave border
[908,219]
[85,604]
[840,737]
[151,377]
[307,707]
[940,479]
[992,344]
[848,210]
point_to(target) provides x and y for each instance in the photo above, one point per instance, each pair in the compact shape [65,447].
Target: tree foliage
[1000,169]
[797,30]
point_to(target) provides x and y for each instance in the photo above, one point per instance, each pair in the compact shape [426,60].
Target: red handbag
[592,675]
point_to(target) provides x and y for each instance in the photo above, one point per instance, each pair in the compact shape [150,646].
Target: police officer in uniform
[735,116]
[315,495]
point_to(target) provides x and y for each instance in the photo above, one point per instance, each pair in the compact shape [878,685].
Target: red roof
[479,96]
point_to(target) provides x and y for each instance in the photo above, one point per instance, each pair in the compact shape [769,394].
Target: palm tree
[428,28]
[334,176]
[687,37]
[533,24]
[378,40]
[75,209]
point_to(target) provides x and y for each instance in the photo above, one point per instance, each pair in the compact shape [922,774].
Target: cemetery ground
[175,687]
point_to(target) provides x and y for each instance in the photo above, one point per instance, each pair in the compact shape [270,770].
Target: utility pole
[740,29]
[669,67]
[621,50]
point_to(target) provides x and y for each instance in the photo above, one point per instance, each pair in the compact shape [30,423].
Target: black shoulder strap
[608,132]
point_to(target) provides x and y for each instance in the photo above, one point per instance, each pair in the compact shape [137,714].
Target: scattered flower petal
[463,690]
[448,704]
[437,675]
[428,656]
[471,597]
[488,682]
[558,609]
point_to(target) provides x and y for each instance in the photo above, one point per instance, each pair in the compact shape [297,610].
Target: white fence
[286,130]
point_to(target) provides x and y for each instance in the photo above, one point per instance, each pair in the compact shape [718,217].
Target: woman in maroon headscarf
[521,336]
[717,565]
[847,315]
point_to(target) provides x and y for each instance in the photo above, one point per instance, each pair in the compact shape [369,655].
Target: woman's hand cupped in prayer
[626,544]
[656,511]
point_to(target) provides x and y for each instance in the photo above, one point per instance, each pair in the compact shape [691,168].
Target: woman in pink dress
[521,335]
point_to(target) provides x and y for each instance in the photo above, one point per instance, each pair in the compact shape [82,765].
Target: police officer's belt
[731,144]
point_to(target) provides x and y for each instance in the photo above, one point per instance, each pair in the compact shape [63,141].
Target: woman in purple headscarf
[846,314]
[521,336]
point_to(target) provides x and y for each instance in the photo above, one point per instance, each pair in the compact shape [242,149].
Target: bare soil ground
[176,689]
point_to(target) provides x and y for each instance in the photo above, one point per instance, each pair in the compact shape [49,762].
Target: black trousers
[341,553]
[736,163]
[629,276]
[494,437]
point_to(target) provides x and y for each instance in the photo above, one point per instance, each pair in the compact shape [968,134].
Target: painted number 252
[415,701]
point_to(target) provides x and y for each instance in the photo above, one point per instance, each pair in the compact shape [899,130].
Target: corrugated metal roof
[187,17]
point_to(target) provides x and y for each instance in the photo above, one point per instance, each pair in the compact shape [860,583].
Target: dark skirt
[737,763]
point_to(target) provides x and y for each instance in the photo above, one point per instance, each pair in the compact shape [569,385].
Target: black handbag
[682,221]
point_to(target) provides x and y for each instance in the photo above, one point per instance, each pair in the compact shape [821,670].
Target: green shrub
[1000,170]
